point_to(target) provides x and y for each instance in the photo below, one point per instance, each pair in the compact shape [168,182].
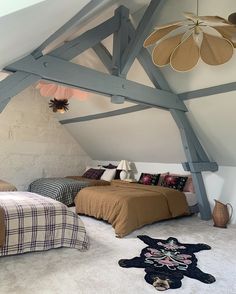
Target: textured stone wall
[33,144]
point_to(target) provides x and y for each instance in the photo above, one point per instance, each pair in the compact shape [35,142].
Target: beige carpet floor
[67,271]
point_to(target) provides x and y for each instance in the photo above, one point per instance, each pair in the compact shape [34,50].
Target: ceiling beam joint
[87,40]
[77,76]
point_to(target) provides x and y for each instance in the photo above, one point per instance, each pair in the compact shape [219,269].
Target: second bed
[129,206]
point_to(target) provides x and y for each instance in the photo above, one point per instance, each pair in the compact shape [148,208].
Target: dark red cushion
[149,179]
[93,173]
[174,182]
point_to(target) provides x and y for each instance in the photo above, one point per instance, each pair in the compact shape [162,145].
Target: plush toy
[166,262]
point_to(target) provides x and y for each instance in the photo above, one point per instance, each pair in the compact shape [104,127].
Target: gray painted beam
[104,55]
[200,166]
[105,114]
[184,124]
[145,59]
[203,203]
[87,40]
[74,21]
[195,154]
[144,27]
[155,76]
[74,75]
[120,39]
[187,135]
[224,88]
[14,84]
[3,103]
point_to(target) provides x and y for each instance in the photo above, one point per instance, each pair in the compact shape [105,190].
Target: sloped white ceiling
[149,135]
[7,7]
[24,30]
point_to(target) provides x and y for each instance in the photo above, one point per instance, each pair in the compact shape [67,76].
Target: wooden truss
[127,45]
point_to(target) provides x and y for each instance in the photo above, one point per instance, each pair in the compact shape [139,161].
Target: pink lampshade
[60,92]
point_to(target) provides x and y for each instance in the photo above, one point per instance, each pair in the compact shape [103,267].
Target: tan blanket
[90,181]
[128,206]
[2,227]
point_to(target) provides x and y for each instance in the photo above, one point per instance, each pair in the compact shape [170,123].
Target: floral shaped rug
[166,262]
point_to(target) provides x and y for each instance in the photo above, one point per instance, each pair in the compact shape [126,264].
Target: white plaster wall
[220,185]
[34,144]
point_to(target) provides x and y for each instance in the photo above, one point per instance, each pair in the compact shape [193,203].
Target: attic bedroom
[117,146]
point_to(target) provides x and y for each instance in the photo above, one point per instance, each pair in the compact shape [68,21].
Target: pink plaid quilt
[35,223]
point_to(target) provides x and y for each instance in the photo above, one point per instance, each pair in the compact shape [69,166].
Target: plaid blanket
[35,223]
[60,189]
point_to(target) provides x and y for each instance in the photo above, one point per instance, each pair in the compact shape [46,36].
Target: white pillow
[94,167]
[109,174]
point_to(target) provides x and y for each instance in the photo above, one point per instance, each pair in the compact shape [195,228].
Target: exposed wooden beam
[14,84]
[145,59]
[87,40]
[120,39]
[144,27]
[202,199]
[121,111]
[74,75]
[74,21]
[104,55]
[3,103]
[197,159]
[224,88]
[197,151]
[193,150]
[200,166]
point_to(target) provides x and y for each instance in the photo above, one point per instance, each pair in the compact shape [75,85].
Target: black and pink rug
[166,262]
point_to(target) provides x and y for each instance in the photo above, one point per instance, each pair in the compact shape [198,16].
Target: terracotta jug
[221,214]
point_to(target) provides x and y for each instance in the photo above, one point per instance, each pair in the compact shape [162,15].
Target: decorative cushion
[189,183]
[94,167]
[149,179]
[112,166]
[93,173]
[109,174]
[174,182]
[162,176]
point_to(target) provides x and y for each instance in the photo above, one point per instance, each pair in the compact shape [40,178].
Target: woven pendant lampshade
[181,44]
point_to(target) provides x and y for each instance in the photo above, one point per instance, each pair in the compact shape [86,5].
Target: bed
[128,206]
[63,189]
[30,222]
[5,186]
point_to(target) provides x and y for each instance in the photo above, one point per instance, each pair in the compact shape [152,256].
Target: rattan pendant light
[180,44]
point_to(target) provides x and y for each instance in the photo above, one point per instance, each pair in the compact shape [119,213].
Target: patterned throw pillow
[149,179]
[188,187]
[174,182]
[111,166]
[162,176]
[94,174]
